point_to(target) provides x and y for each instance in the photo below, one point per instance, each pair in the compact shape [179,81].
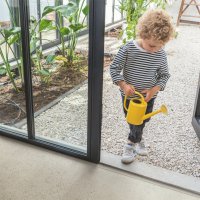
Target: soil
[114,32]
[12,104]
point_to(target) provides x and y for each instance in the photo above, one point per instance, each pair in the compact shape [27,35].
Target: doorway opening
[171,140]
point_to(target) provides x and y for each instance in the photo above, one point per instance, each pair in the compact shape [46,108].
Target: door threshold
[153,173]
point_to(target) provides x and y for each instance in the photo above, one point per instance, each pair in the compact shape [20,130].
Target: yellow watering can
[137,109]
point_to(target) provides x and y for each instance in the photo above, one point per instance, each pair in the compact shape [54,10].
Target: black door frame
[95,83]
[196,113]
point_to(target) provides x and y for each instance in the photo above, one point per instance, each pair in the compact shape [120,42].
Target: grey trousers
[136,131]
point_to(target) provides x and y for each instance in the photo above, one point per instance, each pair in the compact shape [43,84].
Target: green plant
[37,27]
[75,26]
[10,36]
[133,9]
[72,12]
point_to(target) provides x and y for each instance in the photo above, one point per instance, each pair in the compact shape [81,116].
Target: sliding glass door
[56,93]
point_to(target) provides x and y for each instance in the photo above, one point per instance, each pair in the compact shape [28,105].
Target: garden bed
[12,104]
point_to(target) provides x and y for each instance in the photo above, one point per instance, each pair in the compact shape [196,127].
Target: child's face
[151,45]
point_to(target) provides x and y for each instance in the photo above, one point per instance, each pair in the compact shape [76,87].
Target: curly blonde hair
[155,24]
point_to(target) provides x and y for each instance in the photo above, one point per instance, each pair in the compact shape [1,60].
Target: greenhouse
[57,92]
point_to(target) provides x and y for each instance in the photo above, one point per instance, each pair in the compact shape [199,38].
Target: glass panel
[60,91]
[33,9]
[82,16]
[48,36]
[12,97]
[117,13]
[109,11]
[65,20]
[5,22]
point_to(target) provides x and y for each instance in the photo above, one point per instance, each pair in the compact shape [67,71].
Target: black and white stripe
[140,68]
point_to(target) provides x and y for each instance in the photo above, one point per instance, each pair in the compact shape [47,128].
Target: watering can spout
[162,109]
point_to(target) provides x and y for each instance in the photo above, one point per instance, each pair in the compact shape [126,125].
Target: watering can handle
[125,98]
[139,94]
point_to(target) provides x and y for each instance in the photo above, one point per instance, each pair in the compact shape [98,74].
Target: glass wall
[36,12]
[5,22]
[113,13]
[51,36]
[60,91]
[63,109]
[117,13]
[12,95]
[48,36]
[82,16]
[109,11]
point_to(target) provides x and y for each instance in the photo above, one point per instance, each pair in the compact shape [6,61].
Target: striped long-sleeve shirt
[140,68]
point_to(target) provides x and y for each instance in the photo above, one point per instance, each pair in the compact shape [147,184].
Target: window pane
[109,11]
[5,23]
[48,36]
[82,16]
[117,13]
[33,8]
[60,93]
[12,96]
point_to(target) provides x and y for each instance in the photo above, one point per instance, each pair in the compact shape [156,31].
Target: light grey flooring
[31,173]
[171,140]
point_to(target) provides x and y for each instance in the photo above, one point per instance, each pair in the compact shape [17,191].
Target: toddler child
[141,65]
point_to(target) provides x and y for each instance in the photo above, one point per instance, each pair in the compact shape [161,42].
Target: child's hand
[128,90]
[150,93]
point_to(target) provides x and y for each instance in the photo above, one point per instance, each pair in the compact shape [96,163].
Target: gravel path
[66,122]
[171,140]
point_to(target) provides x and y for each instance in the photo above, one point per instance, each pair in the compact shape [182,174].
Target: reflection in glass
[12,97]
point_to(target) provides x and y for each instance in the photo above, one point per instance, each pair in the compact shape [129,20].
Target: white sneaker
[141,149]
[129,153]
